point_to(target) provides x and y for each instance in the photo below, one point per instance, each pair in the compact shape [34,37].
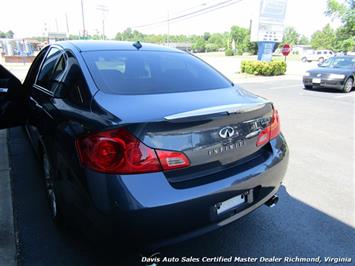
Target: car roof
[93,45]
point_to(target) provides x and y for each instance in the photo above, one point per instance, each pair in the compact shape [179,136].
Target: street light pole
[167,37]
[103,9]
[66,21]
[82,15]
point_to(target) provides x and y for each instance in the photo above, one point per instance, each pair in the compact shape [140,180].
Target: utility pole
[66,21]
[168,35]
[56,24]
[103,9]
[82,15]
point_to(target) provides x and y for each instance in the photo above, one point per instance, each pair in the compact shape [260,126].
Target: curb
[7,232]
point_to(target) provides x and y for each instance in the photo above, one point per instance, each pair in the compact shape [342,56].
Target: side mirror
[3,86]
[3,90]
[11,88]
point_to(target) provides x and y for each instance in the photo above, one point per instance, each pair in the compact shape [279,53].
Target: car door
[42,92]
[13,100]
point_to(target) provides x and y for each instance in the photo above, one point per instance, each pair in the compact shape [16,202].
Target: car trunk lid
[213,128]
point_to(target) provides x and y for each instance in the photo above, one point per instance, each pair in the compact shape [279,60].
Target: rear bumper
[325,83]
[147,208]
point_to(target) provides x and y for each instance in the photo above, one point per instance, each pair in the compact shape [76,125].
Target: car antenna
[138,45]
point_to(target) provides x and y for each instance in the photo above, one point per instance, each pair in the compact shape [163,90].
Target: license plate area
[230,203]
[316,80]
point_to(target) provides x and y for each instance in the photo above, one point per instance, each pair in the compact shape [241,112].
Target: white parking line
[285,87]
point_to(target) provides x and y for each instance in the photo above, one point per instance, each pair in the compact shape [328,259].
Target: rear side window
[75,87]
[52,69]
[150,72]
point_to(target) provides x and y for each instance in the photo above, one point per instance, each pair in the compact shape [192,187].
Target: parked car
[337,72]
[145,141]
[318,55]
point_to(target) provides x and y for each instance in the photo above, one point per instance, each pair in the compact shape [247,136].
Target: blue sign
[265,50]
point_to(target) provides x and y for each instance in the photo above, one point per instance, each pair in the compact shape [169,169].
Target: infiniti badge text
[225,148]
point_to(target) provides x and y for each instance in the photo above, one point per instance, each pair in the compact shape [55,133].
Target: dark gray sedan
[337,72]
[144,142]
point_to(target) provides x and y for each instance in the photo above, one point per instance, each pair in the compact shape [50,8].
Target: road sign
[269,24]
[265,50]
[286,49]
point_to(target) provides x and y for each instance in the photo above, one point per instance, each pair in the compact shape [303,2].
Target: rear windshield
[150,72]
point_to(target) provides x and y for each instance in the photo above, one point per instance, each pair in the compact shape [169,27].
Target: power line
[192,14]
[210,10]
[180,16]
[162,19]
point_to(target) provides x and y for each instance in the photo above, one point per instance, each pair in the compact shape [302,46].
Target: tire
[48,178]
[321,60]
[308,87]
[304,59]
[348,85]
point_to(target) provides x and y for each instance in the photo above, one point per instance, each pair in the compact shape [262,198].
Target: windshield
[339,62]
[150,72]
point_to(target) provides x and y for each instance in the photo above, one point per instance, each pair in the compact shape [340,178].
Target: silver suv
[319,55]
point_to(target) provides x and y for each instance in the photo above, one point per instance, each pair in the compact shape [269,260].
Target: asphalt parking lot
[314,217]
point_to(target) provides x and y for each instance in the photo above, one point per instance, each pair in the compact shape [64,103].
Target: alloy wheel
[348,85]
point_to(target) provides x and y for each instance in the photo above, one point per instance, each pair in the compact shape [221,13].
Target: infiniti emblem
[226,132]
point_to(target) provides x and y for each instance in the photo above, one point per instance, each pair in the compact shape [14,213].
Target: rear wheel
[50,190]
[304,59]
[321,59]
[348,85]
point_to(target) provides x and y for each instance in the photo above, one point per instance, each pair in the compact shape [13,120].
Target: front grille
[316,75]
[207,173]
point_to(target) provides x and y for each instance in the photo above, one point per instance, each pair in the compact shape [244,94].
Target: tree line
[237,40]
[340,39]
[8,34]
[208,42]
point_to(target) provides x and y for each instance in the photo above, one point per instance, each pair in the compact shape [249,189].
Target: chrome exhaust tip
[272,201]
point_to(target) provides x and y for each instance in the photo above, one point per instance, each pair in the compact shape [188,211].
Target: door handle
[36,103]
[4,90]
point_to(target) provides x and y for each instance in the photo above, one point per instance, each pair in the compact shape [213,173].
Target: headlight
[307,74]
[336,76]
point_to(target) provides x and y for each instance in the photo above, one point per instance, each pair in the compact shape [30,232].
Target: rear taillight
[271,131]
[119,152]
[275,128]
[172,160]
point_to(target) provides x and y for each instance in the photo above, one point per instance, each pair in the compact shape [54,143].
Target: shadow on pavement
[327,90]
[292,228]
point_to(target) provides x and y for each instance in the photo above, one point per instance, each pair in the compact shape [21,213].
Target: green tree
[206,36]
[211,47]
[218,40]
[74,37]
[324,39]
[199,45]
[9,34]
[303,40]
[291,36]
[345,12]
[241,37]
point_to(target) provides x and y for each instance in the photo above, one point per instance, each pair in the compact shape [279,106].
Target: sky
[33,17]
